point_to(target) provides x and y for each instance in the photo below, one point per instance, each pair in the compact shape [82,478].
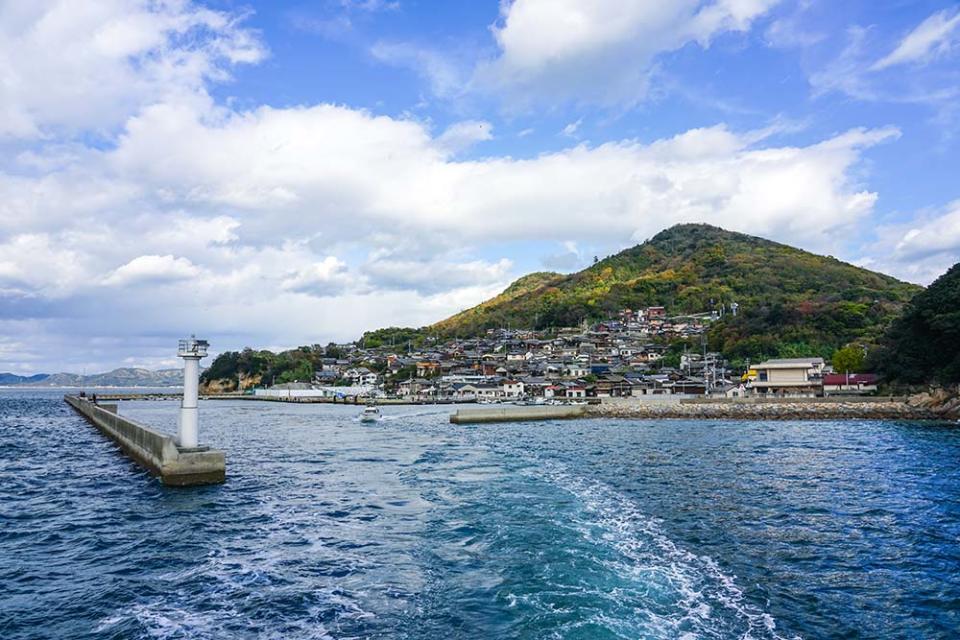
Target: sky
[270,174]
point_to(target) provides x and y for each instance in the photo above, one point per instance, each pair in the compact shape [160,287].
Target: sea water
[415,528]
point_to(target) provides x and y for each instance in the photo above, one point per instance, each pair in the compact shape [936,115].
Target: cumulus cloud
[73,66]
[920,250]
[326,278]
[307,170]
[152,270]
[600,52]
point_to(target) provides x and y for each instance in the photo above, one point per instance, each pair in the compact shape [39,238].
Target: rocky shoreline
[892,410]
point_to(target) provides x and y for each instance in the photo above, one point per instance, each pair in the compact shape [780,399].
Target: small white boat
[370,413]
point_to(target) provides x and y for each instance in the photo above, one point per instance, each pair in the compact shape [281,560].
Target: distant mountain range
[124,377]
[792,302]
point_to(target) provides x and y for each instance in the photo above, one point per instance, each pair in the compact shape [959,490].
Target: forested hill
[792,302]
[923,345]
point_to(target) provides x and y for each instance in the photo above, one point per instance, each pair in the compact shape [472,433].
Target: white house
[576,370]
[512,389]
[797,377]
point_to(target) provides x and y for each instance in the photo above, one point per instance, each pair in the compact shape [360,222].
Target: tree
[923,345]
[333,351]
[849,359]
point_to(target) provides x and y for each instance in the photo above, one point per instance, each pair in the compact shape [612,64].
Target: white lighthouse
[191,351]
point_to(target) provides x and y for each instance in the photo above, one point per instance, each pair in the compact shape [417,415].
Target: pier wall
[515,413]
[157,452]
[786,409]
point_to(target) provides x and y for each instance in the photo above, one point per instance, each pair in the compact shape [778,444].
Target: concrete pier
[158,453]
[517,413]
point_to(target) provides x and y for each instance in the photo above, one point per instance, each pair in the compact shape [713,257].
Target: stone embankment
[786,410]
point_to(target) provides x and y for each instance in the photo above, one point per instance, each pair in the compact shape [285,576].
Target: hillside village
[629,355]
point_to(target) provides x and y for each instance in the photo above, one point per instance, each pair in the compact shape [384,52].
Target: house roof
[789,363]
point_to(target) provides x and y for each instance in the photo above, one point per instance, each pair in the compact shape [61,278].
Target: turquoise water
[415,528]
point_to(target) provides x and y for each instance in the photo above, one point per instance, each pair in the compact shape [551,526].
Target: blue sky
[280,173]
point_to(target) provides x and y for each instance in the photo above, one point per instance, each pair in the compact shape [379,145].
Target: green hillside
[791,301]
[923,345]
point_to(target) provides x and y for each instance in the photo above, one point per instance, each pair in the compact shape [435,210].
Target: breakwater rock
[892,410]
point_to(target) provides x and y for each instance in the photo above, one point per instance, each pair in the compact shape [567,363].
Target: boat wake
[685,595]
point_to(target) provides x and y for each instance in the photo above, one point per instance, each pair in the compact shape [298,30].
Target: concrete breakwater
[784,410]
[517,413]
[157,452]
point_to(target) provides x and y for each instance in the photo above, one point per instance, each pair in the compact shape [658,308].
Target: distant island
[123,377]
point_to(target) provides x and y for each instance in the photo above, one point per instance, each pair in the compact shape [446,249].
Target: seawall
[157,452]
[517,413]
[803,409]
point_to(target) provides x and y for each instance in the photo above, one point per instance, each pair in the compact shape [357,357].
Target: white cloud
[919,250]
[326,278]
[152,269]
[436,275]
[34,264]
[571,129]
[460,136]
[570,258]
[73,66]
[305,171]
[933,37]
[856,73]
[440,69]
[600,52]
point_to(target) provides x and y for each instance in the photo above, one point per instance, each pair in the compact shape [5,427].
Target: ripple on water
[414,528]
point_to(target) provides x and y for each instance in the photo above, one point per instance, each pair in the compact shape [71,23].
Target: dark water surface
[415,528]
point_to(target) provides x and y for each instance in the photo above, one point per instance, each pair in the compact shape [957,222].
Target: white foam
[705,598]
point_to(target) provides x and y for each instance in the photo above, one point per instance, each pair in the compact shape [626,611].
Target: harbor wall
[157,452]
[787,409]
[516,413]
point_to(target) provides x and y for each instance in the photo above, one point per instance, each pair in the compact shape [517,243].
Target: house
[361,376]
[535,386]
[427,369]
[325,376]
[576,370]
[411,388]
[487,391]
[729,390]
[613,386]
[512,388]
[849,384]
[575,390]
[489,368]
[367,379]
[796,377]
